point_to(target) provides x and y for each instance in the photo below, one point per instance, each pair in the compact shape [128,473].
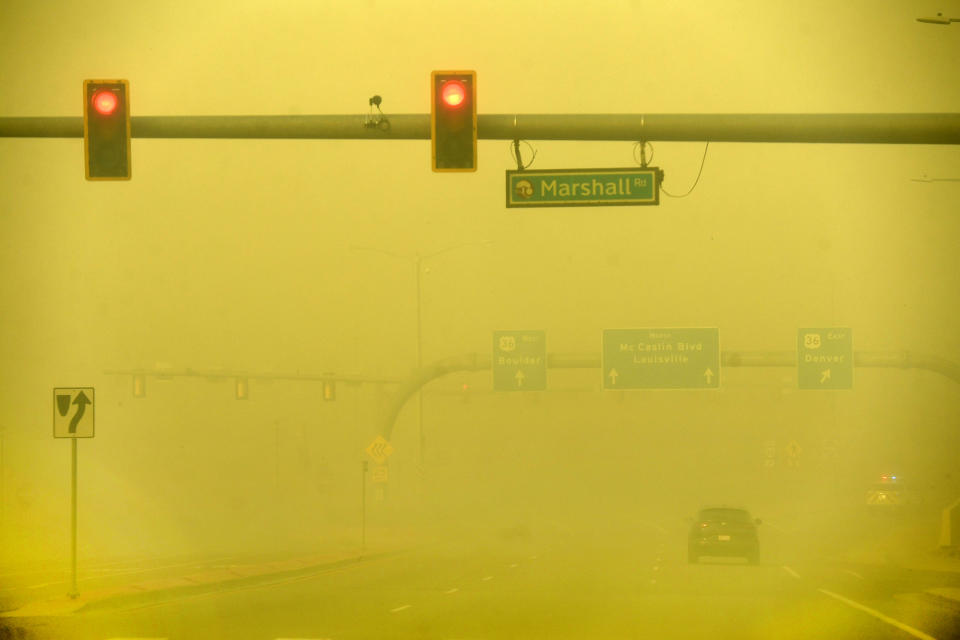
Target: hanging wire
[702,161]
[514,150]
[643,161]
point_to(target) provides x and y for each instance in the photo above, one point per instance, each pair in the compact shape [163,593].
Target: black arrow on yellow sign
[81,401]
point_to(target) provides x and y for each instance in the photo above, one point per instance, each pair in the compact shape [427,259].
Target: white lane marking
[853,573]
[514,565]
[487,578]
[791,572]
[916,633]
[454,590]
[400,608]
[533,557]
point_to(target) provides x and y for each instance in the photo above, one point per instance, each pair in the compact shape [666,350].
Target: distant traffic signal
[139,385]
[106,129]
[453,120]
[329,390]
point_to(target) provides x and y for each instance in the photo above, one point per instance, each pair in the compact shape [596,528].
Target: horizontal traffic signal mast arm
[217,374]
[480,362]
[853,128]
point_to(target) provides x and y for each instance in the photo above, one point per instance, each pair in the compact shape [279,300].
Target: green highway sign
[825,358]
[672,358]
[519,360]
[583,187]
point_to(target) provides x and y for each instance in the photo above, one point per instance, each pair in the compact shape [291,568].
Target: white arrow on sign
[708,374]
[613,376]
[824,375]
[519,378]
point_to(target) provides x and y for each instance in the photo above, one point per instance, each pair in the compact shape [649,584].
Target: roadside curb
[947,596]
[158,590]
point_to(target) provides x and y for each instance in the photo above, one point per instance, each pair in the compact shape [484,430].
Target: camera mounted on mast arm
[376,120]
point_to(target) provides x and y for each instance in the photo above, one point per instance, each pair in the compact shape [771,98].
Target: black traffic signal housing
[106,129]
[453,120]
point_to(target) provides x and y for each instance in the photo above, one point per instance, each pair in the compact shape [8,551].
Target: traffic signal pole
[834,128]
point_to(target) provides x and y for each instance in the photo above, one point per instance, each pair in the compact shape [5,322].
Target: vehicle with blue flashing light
[890,493]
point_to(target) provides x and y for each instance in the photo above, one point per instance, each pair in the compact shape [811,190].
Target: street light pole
[419,263]
[418,259]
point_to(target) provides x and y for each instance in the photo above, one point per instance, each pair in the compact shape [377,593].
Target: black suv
[724,531]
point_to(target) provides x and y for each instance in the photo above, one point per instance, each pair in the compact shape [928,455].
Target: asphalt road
[575,587]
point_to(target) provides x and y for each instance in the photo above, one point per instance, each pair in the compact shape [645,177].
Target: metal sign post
[74,592]
[73,423]
[363,511]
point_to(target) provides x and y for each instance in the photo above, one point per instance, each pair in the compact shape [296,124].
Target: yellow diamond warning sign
[379,449]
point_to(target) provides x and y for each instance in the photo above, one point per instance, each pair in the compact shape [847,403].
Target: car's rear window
[727,515]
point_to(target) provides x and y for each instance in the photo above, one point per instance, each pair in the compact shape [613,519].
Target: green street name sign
[583,187]
[687,358]
[519,360]
[825,358]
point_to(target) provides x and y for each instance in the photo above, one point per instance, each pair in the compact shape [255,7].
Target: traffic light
[329,390]
[243,389]
[139,385]
[453,120]
[106,129]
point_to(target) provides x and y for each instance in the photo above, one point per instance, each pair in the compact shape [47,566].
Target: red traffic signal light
[453,93]
[105,102]
[106,129]
[453,120]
